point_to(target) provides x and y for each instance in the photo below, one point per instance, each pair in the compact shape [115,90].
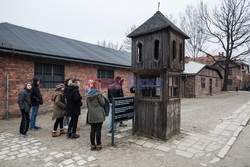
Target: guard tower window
[181,52]
[174,50]
[173,87]
[157,48]
[150,86]
[139,52]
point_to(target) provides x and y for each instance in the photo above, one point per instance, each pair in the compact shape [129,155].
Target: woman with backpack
[95,103]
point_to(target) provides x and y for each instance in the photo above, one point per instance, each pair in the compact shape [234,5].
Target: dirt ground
[198,115]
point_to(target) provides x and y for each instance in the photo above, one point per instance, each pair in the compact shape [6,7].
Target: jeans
[24,126]
[60,122]
[33,117]
[66,121]
[96,133]
[110,118]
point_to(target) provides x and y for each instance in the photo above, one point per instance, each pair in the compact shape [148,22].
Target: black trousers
[58,121]
[96,133]
[24,126]
[73,124]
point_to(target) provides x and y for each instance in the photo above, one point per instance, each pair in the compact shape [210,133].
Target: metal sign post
[122,109]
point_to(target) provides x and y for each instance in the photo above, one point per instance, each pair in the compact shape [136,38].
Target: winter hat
[59,86]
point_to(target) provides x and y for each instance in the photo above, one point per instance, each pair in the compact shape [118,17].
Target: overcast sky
[87,20]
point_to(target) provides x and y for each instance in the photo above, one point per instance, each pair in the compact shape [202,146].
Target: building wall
[21,70]
[192,87]
[207,74]
[189,88]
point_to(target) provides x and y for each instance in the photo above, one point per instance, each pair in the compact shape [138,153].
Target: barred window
[229,82]
[150,86]
[173,87]
[107,76]
[49,74]
[203,82]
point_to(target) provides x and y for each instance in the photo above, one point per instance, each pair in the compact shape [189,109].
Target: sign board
[123,109]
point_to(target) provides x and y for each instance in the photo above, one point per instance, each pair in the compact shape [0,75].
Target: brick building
[200,80]
[238,77]
[25,53]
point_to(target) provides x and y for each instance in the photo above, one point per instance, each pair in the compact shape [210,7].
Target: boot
[74,136]
[93,147]
[98,147]
[62,131]
[55,134]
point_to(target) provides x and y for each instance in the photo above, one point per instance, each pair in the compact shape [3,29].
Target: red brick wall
[189,90]
[21,70]
[207,74]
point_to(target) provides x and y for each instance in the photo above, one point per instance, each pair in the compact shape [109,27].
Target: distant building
[238,77]
[26,53]
[200,80]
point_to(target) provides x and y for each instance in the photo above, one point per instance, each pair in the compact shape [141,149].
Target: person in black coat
[24,103]
[74,103]
[115,90]
[66,117]
[36,101]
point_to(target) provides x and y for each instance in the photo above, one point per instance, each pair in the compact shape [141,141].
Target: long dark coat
[74,101]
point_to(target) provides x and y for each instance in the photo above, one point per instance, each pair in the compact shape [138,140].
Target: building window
[173,87]
[157,50]
[139,52]
[150,86]
[203,82]
[49,74]
[174,50]
[181,52]
[107,76]
[216,82]
[229,82]
[230,71]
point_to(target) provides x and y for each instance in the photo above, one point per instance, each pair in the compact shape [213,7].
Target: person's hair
[75,80]
[25,85]
[117,78]
[66,81]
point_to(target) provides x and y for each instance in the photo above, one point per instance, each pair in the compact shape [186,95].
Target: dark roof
[157,22]
[24,40]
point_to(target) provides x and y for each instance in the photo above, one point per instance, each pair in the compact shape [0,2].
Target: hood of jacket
[92,93]
[35,80]
[53,98]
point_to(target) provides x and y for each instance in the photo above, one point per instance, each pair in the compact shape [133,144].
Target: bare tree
[228,24]
[127,42]
[191,24]
[111,45]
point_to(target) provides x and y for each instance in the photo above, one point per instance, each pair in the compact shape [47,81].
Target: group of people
[67,108]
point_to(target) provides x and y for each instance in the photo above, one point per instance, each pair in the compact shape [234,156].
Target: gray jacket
[95,104]
[24,100]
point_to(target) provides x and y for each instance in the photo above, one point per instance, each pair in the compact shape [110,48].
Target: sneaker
[66,127]
[25,135]
[74,136]
[55,134]
[122,124]
[37,128]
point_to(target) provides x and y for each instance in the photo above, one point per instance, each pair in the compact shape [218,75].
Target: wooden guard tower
[158,48]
